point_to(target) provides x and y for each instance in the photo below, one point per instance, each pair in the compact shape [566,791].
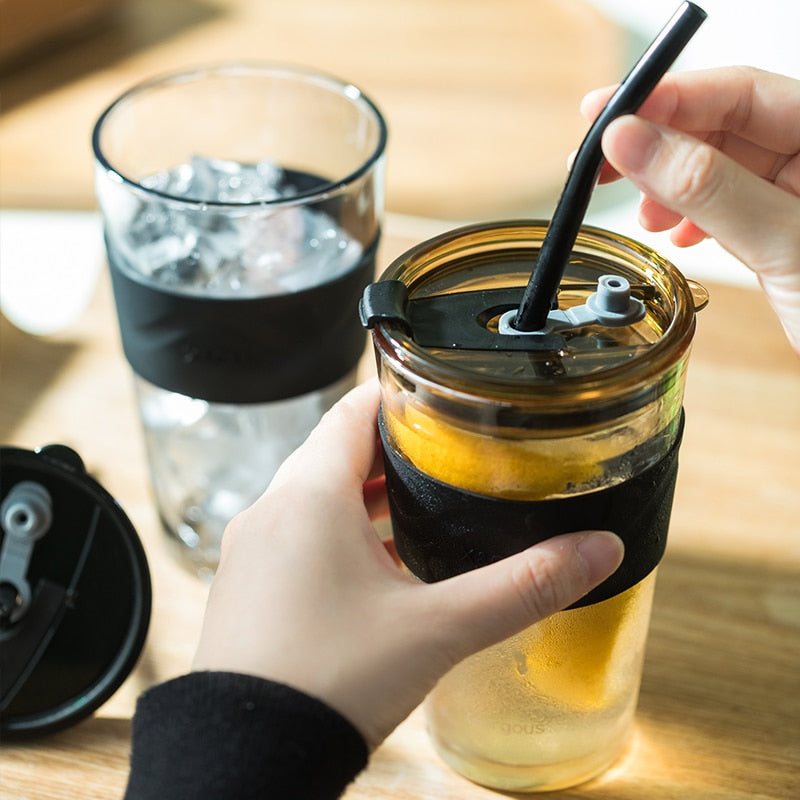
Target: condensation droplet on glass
[520,662]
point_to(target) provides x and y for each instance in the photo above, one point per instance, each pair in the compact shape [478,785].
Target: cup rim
[418,365]
[263,68]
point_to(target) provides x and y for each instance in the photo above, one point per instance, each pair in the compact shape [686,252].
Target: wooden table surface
[719,716]
[481,98]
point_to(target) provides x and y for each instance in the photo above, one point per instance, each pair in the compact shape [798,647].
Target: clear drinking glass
[242,209]
[490,449]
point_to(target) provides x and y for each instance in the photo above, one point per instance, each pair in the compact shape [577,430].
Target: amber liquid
[552,706]
[596,407]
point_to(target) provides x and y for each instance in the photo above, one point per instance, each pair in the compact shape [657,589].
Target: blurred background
[481,100]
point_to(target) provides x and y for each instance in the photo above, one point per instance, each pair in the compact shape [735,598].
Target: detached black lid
[75,592]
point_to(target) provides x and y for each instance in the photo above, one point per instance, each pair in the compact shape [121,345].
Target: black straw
[540,293]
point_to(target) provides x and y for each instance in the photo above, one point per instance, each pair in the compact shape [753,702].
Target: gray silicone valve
[26,515]
[611,306]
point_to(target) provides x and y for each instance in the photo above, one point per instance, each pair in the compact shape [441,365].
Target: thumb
[754,220]
[487,605]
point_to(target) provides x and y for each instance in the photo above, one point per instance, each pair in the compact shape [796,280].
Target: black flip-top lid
[75,591]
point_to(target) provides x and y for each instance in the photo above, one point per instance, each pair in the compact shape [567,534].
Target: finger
[342,448]
[686,234]
[487,605]
[658,107]
[754,220]
[391,549]
[607,173]
[593,102]
[752,104]
[376,499]
[654,217]
[376,471]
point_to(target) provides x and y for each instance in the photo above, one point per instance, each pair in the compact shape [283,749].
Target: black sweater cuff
[210,735]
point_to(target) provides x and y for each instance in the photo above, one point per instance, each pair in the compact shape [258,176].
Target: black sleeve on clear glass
[243,350]
[441,531]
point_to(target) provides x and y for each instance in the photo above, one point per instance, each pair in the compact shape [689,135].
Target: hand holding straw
[540,293]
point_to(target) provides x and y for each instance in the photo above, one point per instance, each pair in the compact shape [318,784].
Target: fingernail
[602,552]
[631,143]
[571,159]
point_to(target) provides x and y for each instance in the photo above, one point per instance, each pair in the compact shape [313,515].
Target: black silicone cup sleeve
[441,531]
[243,350]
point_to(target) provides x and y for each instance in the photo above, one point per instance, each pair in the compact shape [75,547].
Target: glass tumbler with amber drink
[496,438]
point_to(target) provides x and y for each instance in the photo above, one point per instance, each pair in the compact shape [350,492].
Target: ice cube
[294,248]
[167,258]
[176,182]
[271,243]
[251,250]
[224,181]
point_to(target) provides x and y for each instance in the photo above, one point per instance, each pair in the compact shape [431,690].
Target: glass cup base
[527,778]
[210,461]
